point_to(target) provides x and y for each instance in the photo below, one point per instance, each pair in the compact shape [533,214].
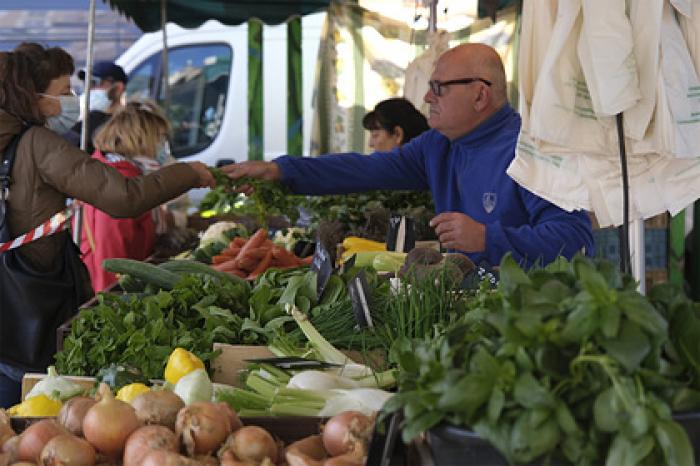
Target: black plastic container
[457,446]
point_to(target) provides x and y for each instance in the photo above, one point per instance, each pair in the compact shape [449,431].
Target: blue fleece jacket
[466,175]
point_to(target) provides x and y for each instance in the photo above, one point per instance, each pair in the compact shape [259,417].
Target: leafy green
[142,331]
[268,198]
[563,361]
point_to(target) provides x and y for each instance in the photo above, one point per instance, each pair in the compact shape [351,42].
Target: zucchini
[143,271]
[183,266]
[130,284]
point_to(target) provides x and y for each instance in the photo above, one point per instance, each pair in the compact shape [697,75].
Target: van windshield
[198,82]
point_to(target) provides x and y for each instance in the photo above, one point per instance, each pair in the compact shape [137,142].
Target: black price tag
[360,297]
[323,266]
[401,236]
[384,439]
[348,264]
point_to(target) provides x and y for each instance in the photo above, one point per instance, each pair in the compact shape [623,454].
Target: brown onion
[308,451]
[348,459]
[67,450]
[6,432]
[202,427]
[159,407]
[347,432]
[167,458]
[146,439]
[229,459]
[73,412]
[109,423]
[252,443]
[35,437]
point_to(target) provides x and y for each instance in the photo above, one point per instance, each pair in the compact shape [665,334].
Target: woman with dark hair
[393,122]
[42,282]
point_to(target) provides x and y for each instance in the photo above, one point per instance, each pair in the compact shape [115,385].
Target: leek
[325,350]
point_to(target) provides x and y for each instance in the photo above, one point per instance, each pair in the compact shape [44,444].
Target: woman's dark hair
[397,111]
[27,71]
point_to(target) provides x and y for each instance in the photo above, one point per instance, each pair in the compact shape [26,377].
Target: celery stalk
[243,399]
[254,413]
[293,410]
[258,384]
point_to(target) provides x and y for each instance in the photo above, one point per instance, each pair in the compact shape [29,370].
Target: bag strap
[58,222]
[8,161]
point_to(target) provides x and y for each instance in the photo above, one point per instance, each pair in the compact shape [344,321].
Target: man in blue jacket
[462,160]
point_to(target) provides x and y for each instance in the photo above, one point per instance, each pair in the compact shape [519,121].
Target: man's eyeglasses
[436,86]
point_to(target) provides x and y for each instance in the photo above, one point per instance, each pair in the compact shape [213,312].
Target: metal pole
[432,19]
[78,218]
[164,55]
[625,265]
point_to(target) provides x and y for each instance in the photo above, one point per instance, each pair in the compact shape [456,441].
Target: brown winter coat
[48,169]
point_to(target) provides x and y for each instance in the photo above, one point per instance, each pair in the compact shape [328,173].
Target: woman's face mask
[70,113]
[163,155]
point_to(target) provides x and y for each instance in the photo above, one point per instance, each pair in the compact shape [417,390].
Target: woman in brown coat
[35,91]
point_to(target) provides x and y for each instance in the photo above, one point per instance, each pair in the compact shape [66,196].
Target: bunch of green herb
[566,362]
[143,331]
[268,198]
[351,209]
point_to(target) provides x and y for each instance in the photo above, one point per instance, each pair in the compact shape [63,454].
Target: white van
[208,85]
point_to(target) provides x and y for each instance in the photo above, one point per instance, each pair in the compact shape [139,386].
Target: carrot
[262,266]
[238,242]
[225,266]
[284,257]
[230,252]
[246,263]
[253,242]
[237,272]
[220,259]
[258,253]
[306,260]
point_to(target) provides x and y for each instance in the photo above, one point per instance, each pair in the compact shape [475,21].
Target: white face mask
[99,100]
[70,112]
[163,155]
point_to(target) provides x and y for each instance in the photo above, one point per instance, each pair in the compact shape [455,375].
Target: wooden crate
[228,365]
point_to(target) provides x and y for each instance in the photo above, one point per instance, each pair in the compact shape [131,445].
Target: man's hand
[206,179]
[460,232]
[268,171]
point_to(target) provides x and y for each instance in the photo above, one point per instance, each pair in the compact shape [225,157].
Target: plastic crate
[457,446]
[607,246]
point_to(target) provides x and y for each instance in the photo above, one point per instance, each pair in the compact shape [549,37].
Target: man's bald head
[468,86]
[482,61]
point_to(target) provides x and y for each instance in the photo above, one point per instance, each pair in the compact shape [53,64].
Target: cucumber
[143,271]
[130,284]
[183,266]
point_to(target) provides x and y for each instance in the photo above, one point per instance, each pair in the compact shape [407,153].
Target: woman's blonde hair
[136,129]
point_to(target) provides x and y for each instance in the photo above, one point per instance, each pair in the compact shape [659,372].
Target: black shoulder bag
[33,304]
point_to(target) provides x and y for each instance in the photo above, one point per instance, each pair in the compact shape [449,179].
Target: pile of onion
[35,437]
[146,439]
[6,432]
[344,442]
[203,426]
[249,445]
[73,412]
[109,423]
[159,407]
[67,449]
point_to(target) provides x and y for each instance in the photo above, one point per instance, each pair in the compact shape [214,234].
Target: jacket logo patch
[488,200]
